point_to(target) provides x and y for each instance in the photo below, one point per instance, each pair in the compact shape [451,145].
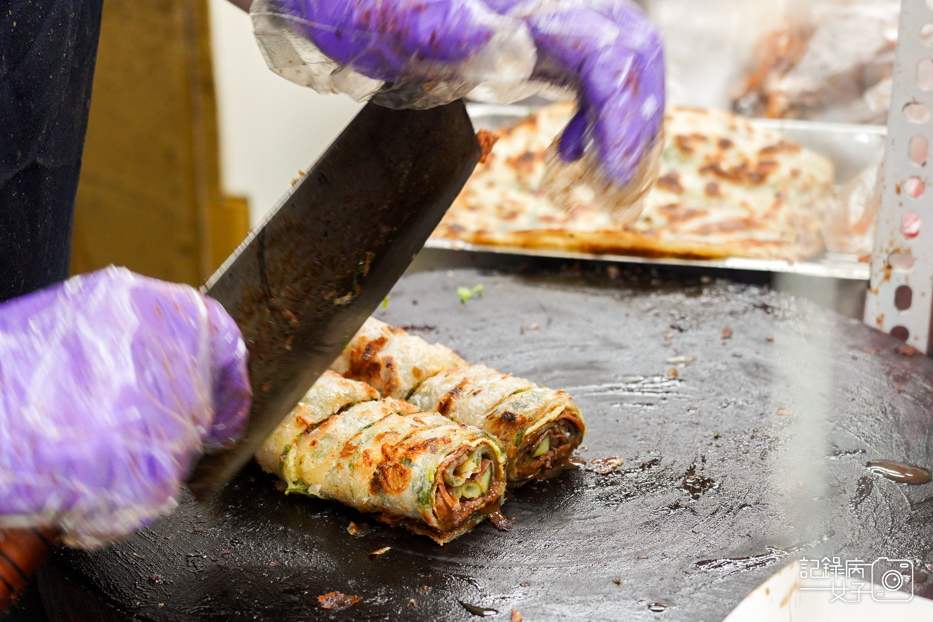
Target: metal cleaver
[302,284]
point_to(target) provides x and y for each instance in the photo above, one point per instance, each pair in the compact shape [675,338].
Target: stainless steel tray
[852,148]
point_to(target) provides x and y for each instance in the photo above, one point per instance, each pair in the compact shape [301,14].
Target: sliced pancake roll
[420,469]
[538,427]
[391,360]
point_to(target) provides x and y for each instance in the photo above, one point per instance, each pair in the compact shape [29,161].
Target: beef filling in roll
[420,469]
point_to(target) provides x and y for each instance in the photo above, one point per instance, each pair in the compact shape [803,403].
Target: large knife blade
[304,282]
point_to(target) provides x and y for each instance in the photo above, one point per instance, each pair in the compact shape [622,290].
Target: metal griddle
[709,502]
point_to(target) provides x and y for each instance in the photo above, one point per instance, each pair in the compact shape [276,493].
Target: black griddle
[712,394]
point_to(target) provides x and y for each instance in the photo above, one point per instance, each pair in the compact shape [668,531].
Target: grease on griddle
[697,485]
[844,453]
[419,328]
[335,601]
[478,611]
[862,489]
[900,472]
[731,565]
[604,466]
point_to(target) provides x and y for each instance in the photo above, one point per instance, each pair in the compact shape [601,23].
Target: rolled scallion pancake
[391,360]
[538,427]
[420,469]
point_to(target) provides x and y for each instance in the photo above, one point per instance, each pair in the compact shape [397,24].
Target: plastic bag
[849,224]
[830,61]
[490,59]
[423,53]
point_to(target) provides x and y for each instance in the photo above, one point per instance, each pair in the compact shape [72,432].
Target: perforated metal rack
[900,298]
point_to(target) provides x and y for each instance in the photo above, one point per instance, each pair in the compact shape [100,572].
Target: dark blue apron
[47,54]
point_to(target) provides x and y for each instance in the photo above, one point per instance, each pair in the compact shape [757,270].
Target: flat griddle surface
[743,418]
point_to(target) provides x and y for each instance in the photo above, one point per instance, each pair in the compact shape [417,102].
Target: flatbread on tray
[727,188]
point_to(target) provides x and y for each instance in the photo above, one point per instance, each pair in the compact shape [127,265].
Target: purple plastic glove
[606,50]
[110,383]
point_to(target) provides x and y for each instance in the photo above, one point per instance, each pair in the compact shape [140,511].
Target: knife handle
[22,553]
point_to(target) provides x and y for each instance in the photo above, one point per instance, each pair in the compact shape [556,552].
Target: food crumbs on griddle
[769,339]
[669,336]
[727,332]
[335,601]
[272,562]
[783,411]
[617,581]
[868,350]
[642,557]
[672,372]
[225,552]
[501,522]
[379,552]
[353,528]
[424,590]
[413,602]
[154,578]
[604,466]
[534,326]
[288,315]
[515,616]
[906,350]
[478,611]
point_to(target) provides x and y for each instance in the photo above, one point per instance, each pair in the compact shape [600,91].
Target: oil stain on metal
[900,472]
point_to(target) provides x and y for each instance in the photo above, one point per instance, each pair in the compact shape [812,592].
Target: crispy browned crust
[614,242]
[733,191]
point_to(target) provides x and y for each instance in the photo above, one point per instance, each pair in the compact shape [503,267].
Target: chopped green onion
[543,447]
[465,293]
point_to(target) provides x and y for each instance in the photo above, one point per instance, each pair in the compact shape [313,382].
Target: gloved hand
[109,384]
[419,53]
